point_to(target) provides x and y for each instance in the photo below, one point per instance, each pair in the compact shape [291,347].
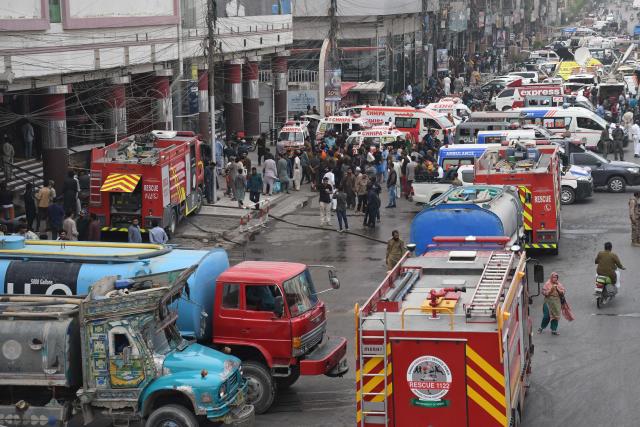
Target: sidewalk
[224,223]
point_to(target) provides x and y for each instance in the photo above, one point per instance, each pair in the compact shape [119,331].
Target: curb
[228,238]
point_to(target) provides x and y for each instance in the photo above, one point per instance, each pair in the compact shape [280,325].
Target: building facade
[84,72]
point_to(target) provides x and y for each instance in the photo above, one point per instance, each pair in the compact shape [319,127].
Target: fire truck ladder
[487,294]
[378,415]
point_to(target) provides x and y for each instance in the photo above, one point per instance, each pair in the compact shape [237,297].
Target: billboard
[332,85]
[297,100]
[442,60]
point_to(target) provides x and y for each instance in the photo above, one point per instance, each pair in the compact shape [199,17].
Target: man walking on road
[134,235]
[395,249]
[326,191]
[635,137]
[634,216]
[618,141]
[392,180]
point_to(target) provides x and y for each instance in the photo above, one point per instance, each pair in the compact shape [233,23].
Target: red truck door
[246,317]
[429,382]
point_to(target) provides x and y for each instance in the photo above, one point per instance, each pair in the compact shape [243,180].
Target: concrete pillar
[203,104]
[280,72]
[117,114]
[163,109]
[251,97]
[233,102]
[55,155]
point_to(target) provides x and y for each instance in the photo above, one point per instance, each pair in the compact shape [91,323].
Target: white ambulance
[513,97]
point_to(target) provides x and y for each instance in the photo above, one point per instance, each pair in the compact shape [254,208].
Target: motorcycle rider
[608,262]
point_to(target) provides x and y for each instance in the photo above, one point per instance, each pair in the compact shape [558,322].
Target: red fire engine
[535,170]
[157,176]
[446,339]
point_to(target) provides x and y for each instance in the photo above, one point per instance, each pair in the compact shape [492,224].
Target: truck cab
[268,314]
[115,354]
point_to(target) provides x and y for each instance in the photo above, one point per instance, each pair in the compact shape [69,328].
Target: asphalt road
[585,377]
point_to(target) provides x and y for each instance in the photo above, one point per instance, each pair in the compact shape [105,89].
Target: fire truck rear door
[429,382]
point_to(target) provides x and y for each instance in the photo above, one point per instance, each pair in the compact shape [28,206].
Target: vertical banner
[332,85]
[442,60]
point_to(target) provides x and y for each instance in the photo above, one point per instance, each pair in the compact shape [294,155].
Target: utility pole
[212,17]
[333,33]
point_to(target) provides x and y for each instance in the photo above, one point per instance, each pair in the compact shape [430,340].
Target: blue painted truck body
[54,267]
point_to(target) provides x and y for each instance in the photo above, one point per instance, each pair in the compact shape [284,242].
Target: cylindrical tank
[477,210]
[40,345]
[69,268]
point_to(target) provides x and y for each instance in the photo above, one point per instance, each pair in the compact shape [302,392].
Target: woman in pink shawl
[552,308]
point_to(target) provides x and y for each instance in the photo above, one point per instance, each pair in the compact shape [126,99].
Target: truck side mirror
[598,164]
[333,280]
[278,306]
[538,273]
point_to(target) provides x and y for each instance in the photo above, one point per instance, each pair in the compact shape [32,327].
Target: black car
[612,174]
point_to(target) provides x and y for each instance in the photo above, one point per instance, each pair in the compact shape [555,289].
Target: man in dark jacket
[70,193]
[392,180]
[349,187]
[618,142]
[56,216]
[373,206]
[254,185]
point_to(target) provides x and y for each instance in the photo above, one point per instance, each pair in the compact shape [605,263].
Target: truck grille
[232,383]
[313,337]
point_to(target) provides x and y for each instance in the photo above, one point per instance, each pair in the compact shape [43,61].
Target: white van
[503,136]
[584,125]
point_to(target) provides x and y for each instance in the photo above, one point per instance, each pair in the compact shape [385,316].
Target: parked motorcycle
[604,290]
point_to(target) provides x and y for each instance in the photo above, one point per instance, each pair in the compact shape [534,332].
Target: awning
[120,183]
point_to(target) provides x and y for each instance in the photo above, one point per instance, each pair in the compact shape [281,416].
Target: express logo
[429,378]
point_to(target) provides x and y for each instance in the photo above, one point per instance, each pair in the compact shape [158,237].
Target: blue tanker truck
[476,210]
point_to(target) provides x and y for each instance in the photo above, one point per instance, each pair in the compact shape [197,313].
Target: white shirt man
[447,85]
[157,234]
[635,136]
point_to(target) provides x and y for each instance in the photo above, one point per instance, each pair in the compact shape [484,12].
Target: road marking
[617,314]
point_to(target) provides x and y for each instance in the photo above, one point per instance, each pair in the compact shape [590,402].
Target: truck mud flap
[324,359]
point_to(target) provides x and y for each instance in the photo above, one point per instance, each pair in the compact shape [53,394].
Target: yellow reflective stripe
[374,381]
[484,404]
[485,366]
[372,363]
[484,384]
[527,216]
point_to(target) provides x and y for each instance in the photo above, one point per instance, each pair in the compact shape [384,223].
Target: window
[586,123]
[300,293]
[506,93]
[584,159]
[467,176]
[449,163]
[120,342]
[406,122]
[231,296]
[261,297]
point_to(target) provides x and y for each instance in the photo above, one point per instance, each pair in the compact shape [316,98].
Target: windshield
[300,294]
[291,136]
[161,341]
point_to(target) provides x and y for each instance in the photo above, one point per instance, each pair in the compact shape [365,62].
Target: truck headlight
[634,170]
[584,178]
[222,391]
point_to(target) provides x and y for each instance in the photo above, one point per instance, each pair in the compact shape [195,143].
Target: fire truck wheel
[261,389]
[173,224]
[286,382]
[198,201]
[616,184]
[171,416]
[567,195]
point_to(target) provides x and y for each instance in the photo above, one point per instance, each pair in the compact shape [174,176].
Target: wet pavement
[585,377]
